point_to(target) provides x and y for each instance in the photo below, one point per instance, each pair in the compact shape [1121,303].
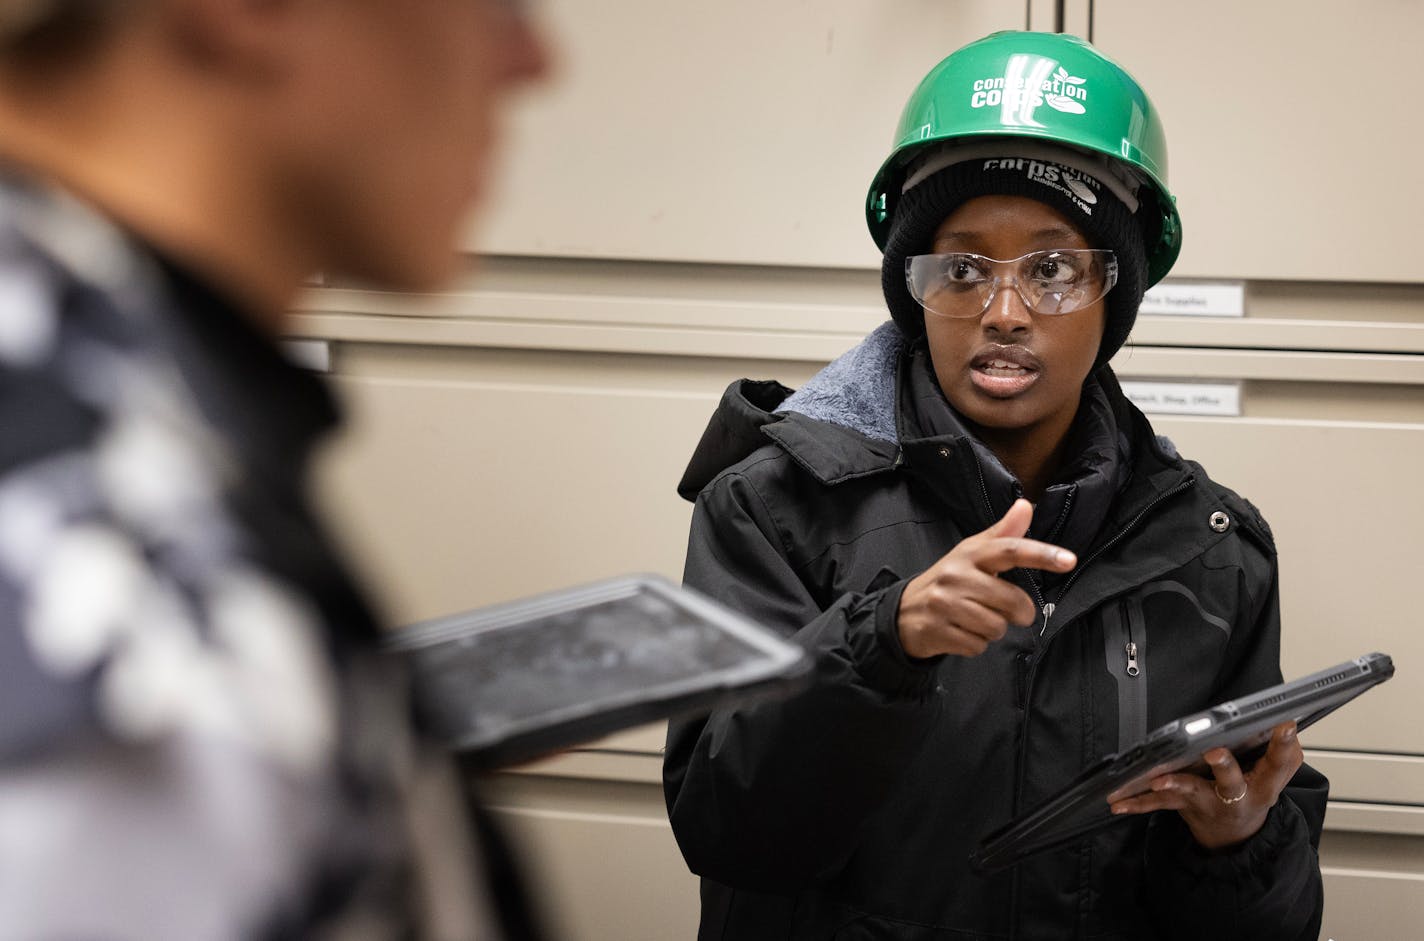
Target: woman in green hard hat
[1002,573]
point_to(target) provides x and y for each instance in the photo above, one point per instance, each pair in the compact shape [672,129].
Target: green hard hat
[1048,87]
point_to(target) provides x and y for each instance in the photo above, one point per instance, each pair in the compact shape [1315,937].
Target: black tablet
[1242,725]
[509,683]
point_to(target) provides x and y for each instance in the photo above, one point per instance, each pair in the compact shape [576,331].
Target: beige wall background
[685,209]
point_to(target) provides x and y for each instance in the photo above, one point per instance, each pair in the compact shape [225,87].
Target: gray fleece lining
[857,390]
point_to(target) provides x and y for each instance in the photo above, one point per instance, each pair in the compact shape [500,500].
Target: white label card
[1185,398]
[1196,299]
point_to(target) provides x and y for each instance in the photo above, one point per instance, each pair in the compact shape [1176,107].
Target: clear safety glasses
[1054,281]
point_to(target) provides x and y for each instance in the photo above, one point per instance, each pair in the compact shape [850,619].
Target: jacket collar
[750,413]
[832,453]
[940,448]
[857,390]
[878,409]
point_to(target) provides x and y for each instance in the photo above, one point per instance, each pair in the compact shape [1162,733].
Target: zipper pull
[1048,609]
[1132,669]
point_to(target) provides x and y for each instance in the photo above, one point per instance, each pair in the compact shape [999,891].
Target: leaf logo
[1065,104]
[1082,190]
[1072,101]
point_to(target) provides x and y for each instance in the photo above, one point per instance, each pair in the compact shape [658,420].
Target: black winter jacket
[849,811]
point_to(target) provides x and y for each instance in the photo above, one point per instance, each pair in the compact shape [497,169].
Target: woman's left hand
[1230,806]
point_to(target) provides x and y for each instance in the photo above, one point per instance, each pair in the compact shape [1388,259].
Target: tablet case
[510,683]
[1243,725]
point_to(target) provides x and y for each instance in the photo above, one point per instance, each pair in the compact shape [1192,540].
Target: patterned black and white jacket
[199,736]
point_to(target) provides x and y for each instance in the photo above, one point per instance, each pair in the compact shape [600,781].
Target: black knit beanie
[1081,198]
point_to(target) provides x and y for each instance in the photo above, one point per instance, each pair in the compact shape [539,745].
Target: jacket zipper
[983,487]
[1024,682]
[1034,661]
[1043,606]
[1132,682]
[1052,537]
[1062,516]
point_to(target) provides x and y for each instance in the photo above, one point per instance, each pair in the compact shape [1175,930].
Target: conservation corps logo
[1028,83]
[1079,187]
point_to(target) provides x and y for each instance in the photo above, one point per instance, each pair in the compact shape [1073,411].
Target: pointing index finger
[1009,552]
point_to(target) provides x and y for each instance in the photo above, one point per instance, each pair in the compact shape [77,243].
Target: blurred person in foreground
[198,736]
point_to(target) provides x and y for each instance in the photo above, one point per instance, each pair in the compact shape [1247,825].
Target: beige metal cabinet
[482,476]
[1290,127]
[602,855]
[737,131]
[747,132]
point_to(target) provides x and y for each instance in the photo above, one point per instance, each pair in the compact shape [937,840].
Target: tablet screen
[492,672]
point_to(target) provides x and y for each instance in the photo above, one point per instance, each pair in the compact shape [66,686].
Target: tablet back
[1242,725]
[508,683]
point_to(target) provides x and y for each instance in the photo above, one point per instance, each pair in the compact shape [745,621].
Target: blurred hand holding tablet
[1242,725]
[509,683]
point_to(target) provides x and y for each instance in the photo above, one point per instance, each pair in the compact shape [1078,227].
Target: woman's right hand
[960,606]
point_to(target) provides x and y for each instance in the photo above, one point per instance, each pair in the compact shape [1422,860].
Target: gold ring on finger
[1230,800]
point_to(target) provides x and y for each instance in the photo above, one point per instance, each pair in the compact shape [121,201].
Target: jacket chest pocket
[1161,646]
[1125,655]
